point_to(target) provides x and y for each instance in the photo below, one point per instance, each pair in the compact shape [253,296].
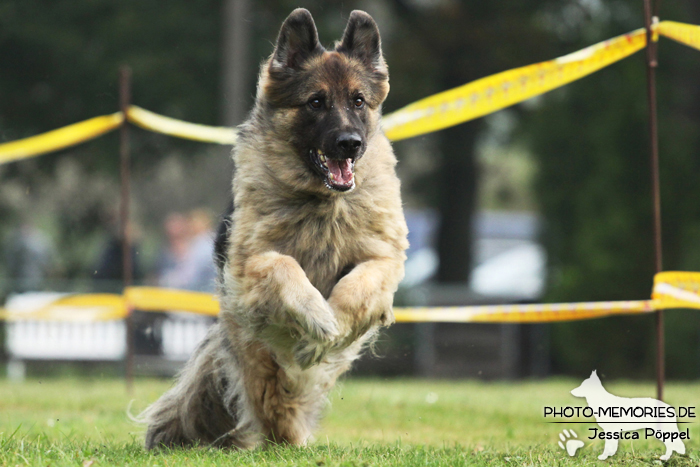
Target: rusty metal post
[652,62]
[125,225]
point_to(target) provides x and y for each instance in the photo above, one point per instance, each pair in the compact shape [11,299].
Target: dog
[611,410]
[311,255]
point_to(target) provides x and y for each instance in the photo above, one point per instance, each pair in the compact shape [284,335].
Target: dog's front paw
[387,318]
[318,321]
[308,353]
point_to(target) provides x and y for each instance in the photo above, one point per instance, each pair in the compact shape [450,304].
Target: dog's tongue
[341,170]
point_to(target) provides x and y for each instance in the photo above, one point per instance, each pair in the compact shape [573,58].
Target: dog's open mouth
[338,174]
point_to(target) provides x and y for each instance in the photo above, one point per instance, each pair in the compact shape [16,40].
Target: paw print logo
[569,443]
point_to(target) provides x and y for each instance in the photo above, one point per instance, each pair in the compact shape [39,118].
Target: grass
[83,422]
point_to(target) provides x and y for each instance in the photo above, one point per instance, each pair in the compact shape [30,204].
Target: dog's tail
[201,407]
[223,239]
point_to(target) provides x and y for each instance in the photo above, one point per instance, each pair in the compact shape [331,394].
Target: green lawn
[83,422]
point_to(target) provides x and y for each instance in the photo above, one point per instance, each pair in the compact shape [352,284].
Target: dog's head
[327,103]
[589,387]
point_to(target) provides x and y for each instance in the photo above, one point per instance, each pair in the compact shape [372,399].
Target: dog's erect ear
[297,41]
[361,40]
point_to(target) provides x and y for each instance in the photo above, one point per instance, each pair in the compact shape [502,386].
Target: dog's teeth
[332,176]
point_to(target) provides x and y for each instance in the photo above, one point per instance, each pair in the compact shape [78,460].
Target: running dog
[311,255]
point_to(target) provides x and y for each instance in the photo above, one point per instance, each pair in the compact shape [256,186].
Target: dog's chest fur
[327,234]
[323,235]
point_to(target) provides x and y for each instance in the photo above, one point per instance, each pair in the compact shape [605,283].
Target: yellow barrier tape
[106,307]
[84,307]
[687,34]
[89,129]
[59,139]
[676,289]
[501,90]
[156,299]
[173,127]
[536,313]
[672,289]
[159,299]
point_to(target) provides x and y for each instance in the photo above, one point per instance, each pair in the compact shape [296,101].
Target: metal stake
[127,267]
[651,51]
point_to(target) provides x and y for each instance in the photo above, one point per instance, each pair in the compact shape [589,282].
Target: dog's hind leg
[202,406]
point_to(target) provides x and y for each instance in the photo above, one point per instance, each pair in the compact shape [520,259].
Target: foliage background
[590,140]
[584,145]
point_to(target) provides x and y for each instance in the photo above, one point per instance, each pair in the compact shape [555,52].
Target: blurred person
[188,260]
[201,255]
[28,255]
[172,264]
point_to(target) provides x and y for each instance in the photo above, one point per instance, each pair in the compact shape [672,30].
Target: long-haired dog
[311,255]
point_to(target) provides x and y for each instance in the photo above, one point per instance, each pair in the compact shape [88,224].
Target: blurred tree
[447,44]
[592,146]
[236,76]
[60,62]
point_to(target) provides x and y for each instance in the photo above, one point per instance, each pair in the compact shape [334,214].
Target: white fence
[55,340]
[178,334]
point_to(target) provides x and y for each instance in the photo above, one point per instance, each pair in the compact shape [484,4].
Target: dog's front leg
[276,291]
[364,297]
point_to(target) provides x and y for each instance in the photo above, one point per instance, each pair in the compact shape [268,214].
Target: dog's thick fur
[314,253]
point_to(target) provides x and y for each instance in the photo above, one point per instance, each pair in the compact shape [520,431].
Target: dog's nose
[349,142]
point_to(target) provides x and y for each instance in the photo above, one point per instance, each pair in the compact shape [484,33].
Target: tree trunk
[458,178]
[236,68]
[457,202]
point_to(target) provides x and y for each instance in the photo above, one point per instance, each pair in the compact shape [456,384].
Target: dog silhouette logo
[620,417]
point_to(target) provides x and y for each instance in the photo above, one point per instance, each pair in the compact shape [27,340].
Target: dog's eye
[359,102]
[316,103]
